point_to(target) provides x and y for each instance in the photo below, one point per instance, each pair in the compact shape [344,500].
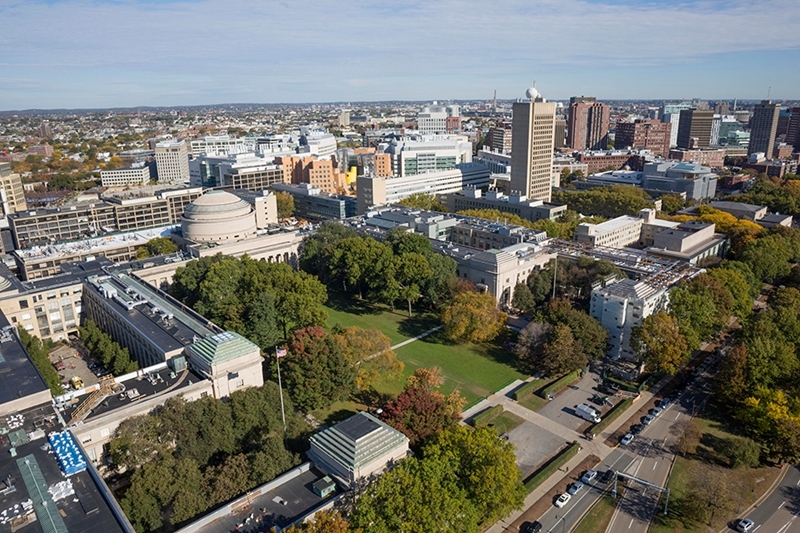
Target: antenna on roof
[769,91]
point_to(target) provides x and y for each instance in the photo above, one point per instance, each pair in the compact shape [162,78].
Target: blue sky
[96,53]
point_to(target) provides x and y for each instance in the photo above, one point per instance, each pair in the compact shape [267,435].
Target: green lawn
[477,370]
[505,422]
[599,517]
[396,325]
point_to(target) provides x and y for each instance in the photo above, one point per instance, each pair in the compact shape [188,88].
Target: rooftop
[18,375]
[44,500]
[222,347]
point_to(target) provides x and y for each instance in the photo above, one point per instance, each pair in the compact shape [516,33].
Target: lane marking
[677,415]
[629,525]
[655,465]
[782,504]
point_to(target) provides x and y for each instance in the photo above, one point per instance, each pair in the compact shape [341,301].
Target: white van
[587,413]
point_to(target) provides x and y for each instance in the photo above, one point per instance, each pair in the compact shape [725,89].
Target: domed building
[218,216]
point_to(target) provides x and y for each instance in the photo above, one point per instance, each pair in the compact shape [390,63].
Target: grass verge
[597,520]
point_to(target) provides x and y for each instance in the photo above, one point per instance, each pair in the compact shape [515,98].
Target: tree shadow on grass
[372,398]
[417,325]
[347,303]
[339,415]
[708,452]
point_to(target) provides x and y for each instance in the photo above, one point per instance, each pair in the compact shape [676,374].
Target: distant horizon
[371,102]
[105,54]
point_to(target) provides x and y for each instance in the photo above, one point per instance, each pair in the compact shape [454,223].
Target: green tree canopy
[156,247]
[474,317]
[660,344]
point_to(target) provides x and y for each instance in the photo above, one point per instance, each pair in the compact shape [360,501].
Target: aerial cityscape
[528,268]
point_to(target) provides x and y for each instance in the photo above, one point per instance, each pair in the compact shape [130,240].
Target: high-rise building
[763,127]
[11,192]
[650,134]
[793,132]
[587,127]
[560,138]
[45,130]
[533,130]
[694,128]
[172,162]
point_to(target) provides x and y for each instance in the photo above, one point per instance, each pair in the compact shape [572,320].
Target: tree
[33,345]
[370,350]
[418,496]
[605,201]
[738,287]
[660,344]
[561,353]
[485,468]
[697,316]
[316,371]
[591,335]
[523,299]
[156,247]
[672,203]
[529,345]
[317,250]
[731,380]
[474,317]
[421,410]
[363,264]
[324,522]
[690,435]
[424,201]
[408,269]
[708,494]
[285,203]
[740,452]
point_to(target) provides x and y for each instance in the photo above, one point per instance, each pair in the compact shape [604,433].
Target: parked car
[59,365]
[589,476]
[575,488]
[607,476]
[648,419]
[637,428]
[627,439]
[655,411]
[532,527]
[563,500]
[664,403]
[745,525]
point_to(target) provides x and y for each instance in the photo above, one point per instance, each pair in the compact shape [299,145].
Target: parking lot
[74,364]
[534,446]
[561,409]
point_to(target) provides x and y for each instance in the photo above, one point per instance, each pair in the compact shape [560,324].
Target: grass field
[599,517]
[476,370]
[505,422]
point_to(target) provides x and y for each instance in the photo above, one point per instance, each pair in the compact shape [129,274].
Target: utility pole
[278,355]
[555,274]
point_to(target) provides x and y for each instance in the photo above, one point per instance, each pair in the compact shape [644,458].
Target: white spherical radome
[532,93]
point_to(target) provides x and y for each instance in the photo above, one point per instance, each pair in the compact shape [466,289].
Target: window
[104,432]
[239,383]
[86,439]
[23,304]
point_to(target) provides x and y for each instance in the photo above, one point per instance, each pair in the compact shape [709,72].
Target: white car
[563,499]
[648,419]
[745,525]
[655,411]
[575,488]
[626,439]
[589,476]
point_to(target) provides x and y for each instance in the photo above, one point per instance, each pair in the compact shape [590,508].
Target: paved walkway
[594,447]
[409,341]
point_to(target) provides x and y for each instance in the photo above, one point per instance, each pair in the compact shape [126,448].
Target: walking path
[409,341]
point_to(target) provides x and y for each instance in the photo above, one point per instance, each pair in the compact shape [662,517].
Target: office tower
[649,134]
[45,130]
[172,162]
[344,118]
[11,191]
[560,138]
[722,108]
[793,132]
[587,128]
[763,127]
[437,118]
[694,128]
[533,129]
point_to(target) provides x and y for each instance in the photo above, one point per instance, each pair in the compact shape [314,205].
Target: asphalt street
[779,512]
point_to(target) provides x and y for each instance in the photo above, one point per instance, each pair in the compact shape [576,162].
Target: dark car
[637,428]
[533,527]
[607,476]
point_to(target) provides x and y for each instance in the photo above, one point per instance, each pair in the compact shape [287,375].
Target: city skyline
[99,54]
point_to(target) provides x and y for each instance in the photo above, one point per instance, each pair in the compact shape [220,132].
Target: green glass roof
[222,347]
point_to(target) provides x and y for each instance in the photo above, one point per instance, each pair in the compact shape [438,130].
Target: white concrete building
[433,118]
[172,162]
[622,306]
[221,145]
[136,174]
[419,154]
[318,143]
[375,190]
[533,128]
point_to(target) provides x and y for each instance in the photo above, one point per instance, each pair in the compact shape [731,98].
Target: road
[779,512]
[652,454]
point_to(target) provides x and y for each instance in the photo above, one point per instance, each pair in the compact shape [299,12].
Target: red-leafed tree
[421,410]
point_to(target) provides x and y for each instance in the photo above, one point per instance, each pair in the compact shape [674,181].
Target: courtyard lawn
[477,370]
[348,311]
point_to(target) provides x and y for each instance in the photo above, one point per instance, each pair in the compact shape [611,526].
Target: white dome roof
[532,93]
[216,204]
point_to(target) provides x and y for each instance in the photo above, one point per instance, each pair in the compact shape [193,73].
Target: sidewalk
[593,447]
